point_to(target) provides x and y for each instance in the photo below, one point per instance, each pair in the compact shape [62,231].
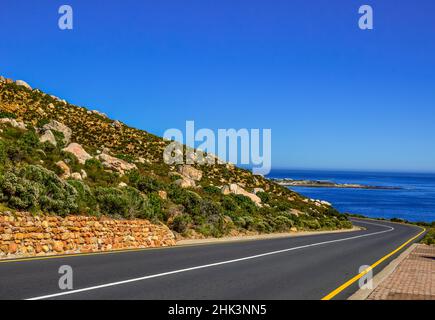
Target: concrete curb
[363,294]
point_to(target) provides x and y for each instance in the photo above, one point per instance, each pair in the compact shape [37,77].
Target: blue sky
[335,97]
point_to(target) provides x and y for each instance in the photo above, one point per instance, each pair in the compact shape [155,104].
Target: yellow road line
[333,293]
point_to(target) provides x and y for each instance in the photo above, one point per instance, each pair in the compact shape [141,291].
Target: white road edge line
[112,284]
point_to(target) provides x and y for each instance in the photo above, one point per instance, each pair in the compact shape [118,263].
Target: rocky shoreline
[287,182]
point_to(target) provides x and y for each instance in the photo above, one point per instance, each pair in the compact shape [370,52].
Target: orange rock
[58,246]
[12,247]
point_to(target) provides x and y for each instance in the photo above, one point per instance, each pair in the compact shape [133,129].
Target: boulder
[163,194]
[116,124]
[296,212]
[141,160]
[116,164]
[326,203]
[78,151]
[57,126]
[190,172]
[230,166]
[122,185]
[23,84]
[213,159]
[14,123]
[101,114]
[48,136]
[76,176]
[83,173]
[65,169]
[185,183]
[233,188]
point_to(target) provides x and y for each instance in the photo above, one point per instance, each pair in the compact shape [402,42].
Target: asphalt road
[306,267]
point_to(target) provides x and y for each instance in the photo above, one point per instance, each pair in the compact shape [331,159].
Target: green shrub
[229,204]
[188,199]
[181,223]
[60,138]
[283,223]
[4,114]
[3,152]
[36,188]
[265,197]
[212,189]
[245,203]
[148,184]
[97,175]
[86,201]
[429,237]
[42,122]
[127,202]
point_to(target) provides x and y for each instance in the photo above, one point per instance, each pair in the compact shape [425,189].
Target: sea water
[414,201]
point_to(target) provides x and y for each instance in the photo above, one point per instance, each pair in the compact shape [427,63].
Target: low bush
[181,223]
[429,237]
[36,188]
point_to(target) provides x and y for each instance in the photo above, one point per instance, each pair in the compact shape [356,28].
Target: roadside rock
[48,136]
[116,124]
[116,164]
[57,126]
[14,123]
[190,172]
[296,212]
[233,188]
[163,194]
[185,183]
[76,176]
[101,114]
[23,84]
[78,151]
[83,173]
[65,169]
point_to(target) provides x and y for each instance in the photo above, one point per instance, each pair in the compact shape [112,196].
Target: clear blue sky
[335,97]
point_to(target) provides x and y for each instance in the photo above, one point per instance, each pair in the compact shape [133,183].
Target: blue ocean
[415,201]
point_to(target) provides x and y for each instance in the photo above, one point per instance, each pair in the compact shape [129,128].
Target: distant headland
[288,182]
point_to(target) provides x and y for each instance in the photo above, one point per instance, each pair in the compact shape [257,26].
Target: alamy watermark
[366,281]
[365,22]
[66,280]
[243,146]
[65,21]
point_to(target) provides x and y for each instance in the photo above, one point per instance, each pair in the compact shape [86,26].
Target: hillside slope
[64,159]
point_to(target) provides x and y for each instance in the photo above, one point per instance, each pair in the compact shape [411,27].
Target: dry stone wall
[22,234]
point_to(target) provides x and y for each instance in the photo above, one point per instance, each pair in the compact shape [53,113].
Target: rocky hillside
[64,159]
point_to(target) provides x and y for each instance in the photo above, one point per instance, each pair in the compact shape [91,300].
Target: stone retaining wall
[22,234]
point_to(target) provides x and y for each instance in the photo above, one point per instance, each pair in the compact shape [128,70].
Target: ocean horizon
[413,200]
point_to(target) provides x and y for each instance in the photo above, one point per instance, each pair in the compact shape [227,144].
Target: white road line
[112,284]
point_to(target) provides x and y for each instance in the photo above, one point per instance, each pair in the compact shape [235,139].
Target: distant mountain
[64,159]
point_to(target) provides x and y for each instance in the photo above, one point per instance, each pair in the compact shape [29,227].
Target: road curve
[307,267]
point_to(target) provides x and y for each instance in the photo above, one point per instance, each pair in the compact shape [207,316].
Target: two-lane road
[306,267]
